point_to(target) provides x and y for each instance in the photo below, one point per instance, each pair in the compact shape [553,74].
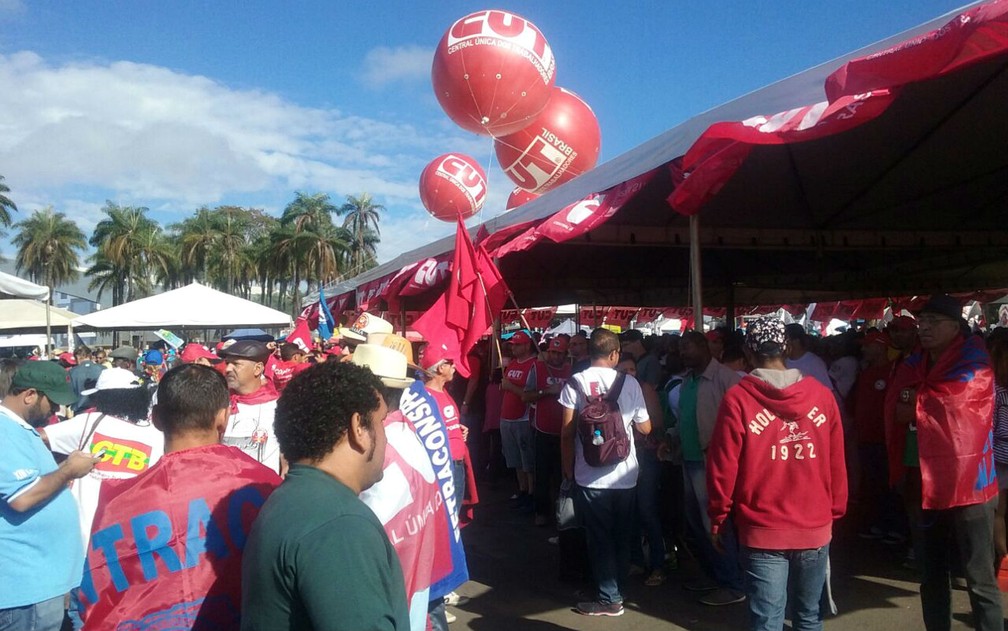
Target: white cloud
[77,133]
[384,65]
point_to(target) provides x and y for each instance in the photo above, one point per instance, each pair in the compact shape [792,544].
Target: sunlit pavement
[515,586]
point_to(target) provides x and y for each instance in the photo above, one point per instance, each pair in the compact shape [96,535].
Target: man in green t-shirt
[317,557]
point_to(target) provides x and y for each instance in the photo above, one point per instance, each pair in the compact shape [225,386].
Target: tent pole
[730,311]
[48,324]
[695,272]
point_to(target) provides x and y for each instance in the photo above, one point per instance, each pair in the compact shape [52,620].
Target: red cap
[714,335]
[875,337]
[335,349]
[558,344]
[903,323]
[68,358]
[520,337]
[192,352]
[434,354]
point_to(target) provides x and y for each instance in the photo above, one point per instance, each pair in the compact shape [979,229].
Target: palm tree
[47,247]
[360,218]
[122,241]
[196,237]
[6,205]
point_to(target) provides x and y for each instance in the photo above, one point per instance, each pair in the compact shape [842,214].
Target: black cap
[244,349]
[943,304]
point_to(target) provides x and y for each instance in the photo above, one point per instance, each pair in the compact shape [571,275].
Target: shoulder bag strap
[87,437]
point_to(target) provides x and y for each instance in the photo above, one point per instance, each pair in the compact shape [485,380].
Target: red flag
[301,335]
[475,296]
[166,545]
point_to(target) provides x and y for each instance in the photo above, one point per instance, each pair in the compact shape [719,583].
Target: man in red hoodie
[776,463]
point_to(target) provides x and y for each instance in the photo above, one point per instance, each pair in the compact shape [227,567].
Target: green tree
[360,218]
[307,244]
[6,204]
[48,246]
[129,250]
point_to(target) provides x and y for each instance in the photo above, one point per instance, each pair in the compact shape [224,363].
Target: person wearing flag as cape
[166,546]
[253,401]
[317,556]
[939,414]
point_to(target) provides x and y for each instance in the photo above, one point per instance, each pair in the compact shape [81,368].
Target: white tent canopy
[29,316]
[20,288]
[194,306]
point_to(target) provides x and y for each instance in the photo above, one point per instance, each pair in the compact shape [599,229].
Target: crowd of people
[263,485]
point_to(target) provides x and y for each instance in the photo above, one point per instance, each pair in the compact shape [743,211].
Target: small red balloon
[493,72]
[518,197]
[562,143]
[453,184]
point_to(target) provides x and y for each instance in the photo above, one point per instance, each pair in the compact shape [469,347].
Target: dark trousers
[970,529]
[608,517]
[547,472]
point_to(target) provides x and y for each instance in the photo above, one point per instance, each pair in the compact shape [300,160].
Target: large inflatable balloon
[493,72]
[562,143]
[518,197]
[453,184]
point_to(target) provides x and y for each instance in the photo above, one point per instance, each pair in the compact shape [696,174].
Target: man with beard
[333,567]
[41,553]
[253,402]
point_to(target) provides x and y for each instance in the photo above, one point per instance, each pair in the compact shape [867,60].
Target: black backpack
[600,421]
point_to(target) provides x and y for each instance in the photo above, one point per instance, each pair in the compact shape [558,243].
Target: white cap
[113,379]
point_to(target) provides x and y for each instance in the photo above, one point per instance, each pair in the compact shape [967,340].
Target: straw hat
[387,364]
[397,343]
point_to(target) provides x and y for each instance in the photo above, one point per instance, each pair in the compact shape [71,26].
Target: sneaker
[703,585]
[454,600]
[655,578]
[872,533]
[722,596]
[449,617]
[595,608]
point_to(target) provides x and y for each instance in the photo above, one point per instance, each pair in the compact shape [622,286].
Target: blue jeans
[723,567]
[44,616]
[608,516]
[768,575]
[649,521]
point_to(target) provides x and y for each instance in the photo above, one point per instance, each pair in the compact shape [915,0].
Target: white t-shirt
[596,380]
[251,430]
[811,365]
[130,449]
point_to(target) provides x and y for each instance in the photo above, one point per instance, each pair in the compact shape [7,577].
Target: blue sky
[174,105]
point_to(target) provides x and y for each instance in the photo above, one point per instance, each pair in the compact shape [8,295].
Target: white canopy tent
[29,316]
[14,287]
[195,306]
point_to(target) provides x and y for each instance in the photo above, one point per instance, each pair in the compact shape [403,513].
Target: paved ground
[514,586]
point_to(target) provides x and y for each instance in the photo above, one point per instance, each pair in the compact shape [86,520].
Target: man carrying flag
[166,546]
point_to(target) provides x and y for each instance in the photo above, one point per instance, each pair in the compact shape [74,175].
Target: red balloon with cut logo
[518,197]
[451,185]
[562,143]
[493,72]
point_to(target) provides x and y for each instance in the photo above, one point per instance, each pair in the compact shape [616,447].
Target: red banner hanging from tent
[621,316]
[647,315]
[592,316]
[578,218]
[539,318]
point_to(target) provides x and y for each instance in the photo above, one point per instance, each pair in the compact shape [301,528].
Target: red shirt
[868,404]
[776,464]
[283,372]
[452,421]
[517,372]
[548,411]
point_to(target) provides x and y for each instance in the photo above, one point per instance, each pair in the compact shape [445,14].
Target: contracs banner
[422,410]
[408,502]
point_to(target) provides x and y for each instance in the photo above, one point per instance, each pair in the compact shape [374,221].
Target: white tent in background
[567,327]
[14,287]
[195,306]
[29,316]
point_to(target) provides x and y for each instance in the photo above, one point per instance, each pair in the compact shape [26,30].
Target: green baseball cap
[47,377]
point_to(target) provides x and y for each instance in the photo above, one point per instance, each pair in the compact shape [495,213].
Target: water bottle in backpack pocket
[600,426]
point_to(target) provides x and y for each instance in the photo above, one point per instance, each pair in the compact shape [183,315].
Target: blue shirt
[41,554]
